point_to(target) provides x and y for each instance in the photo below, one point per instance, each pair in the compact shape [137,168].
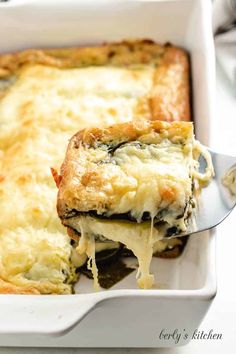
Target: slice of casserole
[132,183]
[45,97]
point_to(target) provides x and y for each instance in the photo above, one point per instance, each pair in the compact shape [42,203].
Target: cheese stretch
[132,183]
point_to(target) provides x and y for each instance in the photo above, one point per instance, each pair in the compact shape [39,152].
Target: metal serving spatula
[216,200]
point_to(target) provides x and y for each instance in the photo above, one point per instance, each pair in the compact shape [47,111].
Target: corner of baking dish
[52,314]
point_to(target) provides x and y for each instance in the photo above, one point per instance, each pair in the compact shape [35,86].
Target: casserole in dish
[185,298]
[46,96]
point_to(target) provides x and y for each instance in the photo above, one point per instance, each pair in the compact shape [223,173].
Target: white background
[222,314]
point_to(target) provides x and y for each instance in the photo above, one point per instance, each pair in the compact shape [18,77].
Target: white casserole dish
[125,316]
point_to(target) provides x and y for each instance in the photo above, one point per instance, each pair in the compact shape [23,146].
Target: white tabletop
[222,314]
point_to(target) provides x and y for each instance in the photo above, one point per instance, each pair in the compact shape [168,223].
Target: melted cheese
[136,237]
[36,259]
[69,100]
[39,113]
[164,170]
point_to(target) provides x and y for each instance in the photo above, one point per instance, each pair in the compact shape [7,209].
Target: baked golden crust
[169,97]
[8,288]
[33,289]
[129,131]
